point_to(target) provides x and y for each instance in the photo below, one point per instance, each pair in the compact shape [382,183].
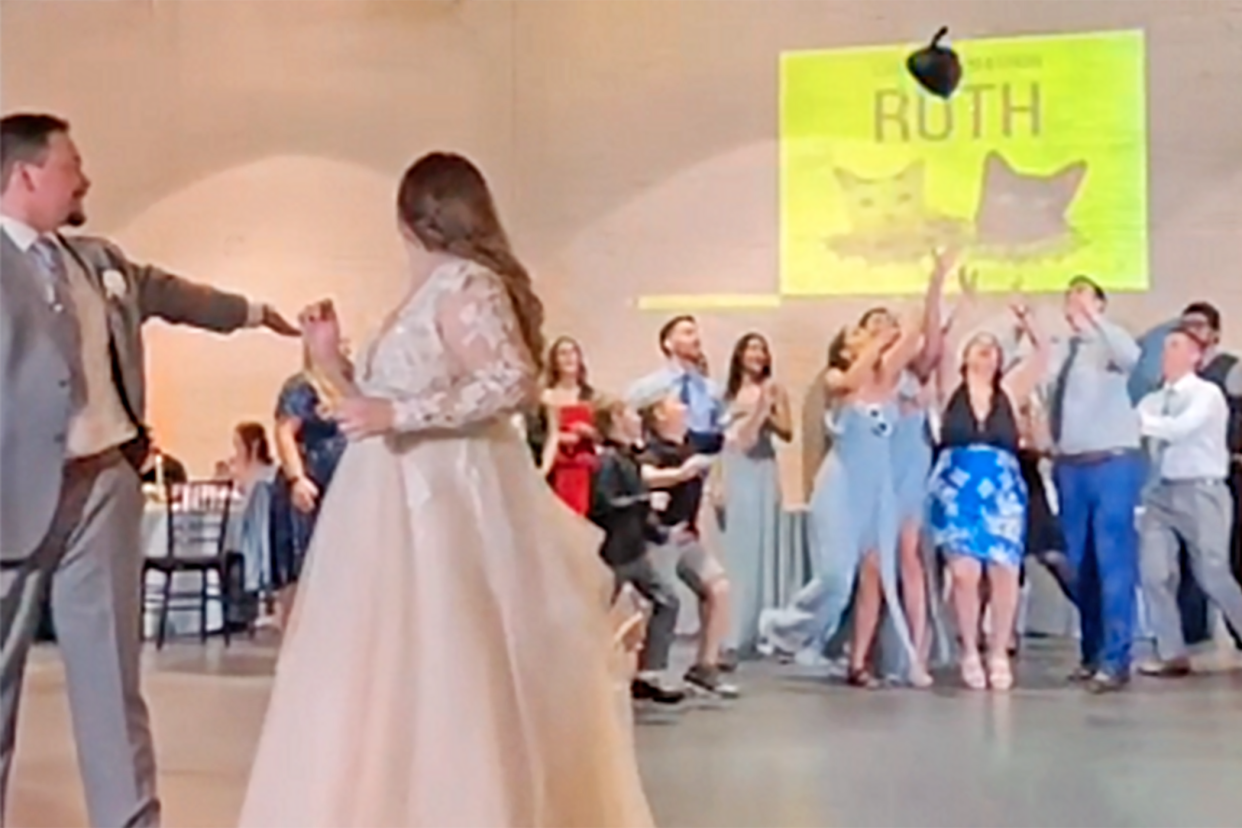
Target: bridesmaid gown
[853,510]
[451,661]
[912,456]
[911,452]
[751,520]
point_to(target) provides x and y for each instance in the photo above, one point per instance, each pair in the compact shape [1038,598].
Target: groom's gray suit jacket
[41,372]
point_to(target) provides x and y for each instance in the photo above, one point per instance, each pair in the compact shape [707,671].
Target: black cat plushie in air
[936,68]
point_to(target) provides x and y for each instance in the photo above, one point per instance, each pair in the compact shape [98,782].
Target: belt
[1091,458]
[1192,481]
[101,458]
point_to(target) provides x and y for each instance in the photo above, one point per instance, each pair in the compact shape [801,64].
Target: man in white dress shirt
[1188,501]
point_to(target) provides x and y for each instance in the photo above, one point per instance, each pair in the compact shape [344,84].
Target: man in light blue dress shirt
[1099,472]
[684,374]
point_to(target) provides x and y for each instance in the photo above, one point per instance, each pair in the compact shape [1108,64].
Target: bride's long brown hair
[445,202]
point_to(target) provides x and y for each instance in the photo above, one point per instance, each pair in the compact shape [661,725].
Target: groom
[72,434]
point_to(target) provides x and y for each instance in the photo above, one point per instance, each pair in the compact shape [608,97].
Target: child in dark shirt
[670,464]
[623,506]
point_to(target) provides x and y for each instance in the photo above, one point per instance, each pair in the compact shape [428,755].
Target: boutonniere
[114,284]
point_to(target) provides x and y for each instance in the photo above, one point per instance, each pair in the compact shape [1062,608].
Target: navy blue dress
[321,444]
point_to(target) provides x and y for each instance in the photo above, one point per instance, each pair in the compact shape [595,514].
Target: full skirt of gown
[451,660]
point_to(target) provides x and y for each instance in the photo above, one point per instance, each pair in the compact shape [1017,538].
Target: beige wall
[632,145]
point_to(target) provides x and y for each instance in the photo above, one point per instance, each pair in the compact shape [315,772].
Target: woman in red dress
[569,453]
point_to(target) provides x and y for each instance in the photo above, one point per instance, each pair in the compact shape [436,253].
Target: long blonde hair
[445,202]
[325,389]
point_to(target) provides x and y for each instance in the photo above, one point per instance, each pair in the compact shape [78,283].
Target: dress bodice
[452,356]
[764,446]
[962,428]
[862,428]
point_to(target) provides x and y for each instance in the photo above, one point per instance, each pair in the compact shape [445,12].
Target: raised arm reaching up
[934,329]
[1022,379]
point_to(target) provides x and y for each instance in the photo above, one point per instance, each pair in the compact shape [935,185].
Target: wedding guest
[1099,472]
[1190,503]
[686,372]
[912,460]
[253,473]
[251,462]
[672,464]
[565,421]
[1224,370]
[853,515]
[979,499]
[747,491]
[309,444]
[624,507]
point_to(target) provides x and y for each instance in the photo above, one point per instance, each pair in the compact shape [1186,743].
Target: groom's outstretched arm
[180,301]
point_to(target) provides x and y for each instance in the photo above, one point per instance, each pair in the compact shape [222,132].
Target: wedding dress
[451,659]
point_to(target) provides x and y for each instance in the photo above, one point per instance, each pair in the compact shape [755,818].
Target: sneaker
[707,679]
[728,661]
[1102,683]
[643,690]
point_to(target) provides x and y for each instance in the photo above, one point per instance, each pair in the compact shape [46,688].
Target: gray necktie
[1158,447]
[1056,403]
[51,261]
[52,264]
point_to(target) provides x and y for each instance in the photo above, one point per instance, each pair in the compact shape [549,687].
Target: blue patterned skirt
[978,505]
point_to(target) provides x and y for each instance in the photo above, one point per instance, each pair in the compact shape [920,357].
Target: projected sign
[1037,167]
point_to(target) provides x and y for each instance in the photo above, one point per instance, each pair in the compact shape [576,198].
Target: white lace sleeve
[488,373]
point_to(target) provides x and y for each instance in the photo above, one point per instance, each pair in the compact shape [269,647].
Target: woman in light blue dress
[747,493]
[853,513]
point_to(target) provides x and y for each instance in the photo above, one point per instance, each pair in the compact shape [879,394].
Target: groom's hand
[273,321]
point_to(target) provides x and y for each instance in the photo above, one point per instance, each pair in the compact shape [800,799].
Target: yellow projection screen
[1036,167]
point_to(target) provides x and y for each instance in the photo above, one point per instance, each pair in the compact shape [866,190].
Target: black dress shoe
[1102,683]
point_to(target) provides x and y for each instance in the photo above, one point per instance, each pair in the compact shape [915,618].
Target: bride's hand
[321,331]
[362,417]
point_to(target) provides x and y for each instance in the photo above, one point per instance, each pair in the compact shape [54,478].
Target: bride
[450,660]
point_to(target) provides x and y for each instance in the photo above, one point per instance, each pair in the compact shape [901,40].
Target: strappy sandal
[861,677]
[972,672]
[1000,674]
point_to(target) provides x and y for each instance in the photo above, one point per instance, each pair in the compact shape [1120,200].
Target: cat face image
[889,219]
[1020,210]
[883,204]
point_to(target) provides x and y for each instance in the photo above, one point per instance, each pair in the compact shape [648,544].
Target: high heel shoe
[1000,674]
[972,672]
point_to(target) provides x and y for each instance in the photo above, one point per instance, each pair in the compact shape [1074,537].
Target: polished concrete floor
[795,751]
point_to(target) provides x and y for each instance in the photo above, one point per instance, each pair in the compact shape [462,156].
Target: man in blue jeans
[1099,472]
